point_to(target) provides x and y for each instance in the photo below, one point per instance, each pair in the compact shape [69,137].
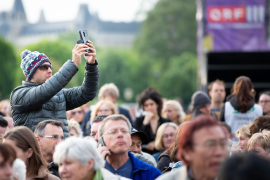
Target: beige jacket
[107,175]
[178,174]
[43,175]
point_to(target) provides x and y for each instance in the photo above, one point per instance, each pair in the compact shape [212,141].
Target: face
[167,137]
[206,109]
[265,103]
[47,144]
[42,75]
[217,93]
[20,153]
[6,171]
[71,169]
[4,107]
[72,132]
[3,130]
[151,106]
[136,146]
[171,113]
[120,142]
[258,149]
[104,110]
[94,131]
[209,151]
[242,143]
[77,114]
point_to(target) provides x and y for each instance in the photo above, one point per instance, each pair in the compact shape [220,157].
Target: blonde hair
[73,124]
[262,139]
[110,104]
[244,130]
[108,90]
[158,141]
[177,107]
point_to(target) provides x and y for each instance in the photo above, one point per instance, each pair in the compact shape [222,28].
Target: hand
[148,117]
[103,151]
[80,49]
[91,57]
[151,146]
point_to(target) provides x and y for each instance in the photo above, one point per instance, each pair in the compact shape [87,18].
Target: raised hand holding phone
[102,149]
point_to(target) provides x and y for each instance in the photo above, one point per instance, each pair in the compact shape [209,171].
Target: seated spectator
[164,138]
[49,133]
[3,126]
[151,102]
[243,134]
[78,159]
[74,128]
[173,111]
[259,143]
[202,147]
[136,146]
[115,131]
[7,157]
[101,108]
[77,114]
[245,166]
[259,124]
[264,101]
[23,141]
[201,104]
[108,92]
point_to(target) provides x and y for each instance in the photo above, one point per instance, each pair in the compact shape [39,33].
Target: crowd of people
[48,132]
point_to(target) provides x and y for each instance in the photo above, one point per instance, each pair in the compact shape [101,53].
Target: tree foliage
[8,68]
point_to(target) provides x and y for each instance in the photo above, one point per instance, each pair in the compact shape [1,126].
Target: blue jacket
[142,170]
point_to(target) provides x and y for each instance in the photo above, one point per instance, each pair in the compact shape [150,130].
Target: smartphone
[101,141]
[84,38]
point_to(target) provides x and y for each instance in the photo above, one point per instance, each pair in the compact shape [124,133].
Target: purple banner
[236,25]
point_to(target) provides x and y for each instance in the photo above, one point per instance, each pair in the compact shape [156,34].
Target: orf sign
[228,14]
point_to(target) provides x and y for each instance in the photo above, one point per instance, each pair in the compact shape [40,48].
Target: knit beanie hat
[31,61]
[199,99]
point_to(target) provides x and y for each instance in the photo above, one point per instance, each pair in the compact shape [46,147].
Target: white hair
[19,170]
[79,149]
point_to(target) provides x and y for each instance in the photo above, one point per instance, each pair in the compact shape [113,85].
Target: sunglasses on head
[45,67]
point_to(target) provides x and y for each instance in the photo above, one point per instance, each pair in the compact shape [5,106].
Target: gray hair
[79,149]
[115,117]
[39,131]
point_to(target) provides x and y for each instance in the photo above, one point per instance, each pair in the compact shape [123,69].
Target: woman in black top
[151,102]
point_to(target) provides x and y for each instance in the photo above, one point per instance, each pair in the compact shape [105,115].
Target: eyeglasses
[212,145]
[44,67]
[168,135]
[74,112]
[266,101]
[54,137]
[116,131]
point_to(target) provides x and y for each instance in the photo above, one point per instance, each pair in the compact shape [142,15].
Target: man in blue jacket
[42,96]
[115,131]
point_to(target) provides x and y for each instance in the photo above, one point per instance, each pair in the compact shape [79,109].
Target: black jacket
[32,103]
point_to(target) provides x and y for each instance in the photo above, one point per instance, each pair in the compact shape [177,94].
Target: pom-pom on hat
[31,61]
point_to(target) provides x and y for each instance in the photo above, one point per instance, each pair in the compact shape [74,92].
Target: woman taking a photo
[24,142]
[240,108]
[151,102]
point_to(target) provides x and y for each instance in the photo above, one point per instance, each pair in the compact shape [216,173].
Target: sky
[65,10]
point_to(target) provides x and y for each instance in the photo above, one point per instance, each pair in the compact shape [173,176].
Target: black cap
[142,135]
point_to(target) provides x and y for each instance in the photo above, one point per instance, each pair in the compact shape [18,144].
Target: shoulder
[52,177]
[163,120]
[179,174]
[187,118]
[107,175]
[140,165]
